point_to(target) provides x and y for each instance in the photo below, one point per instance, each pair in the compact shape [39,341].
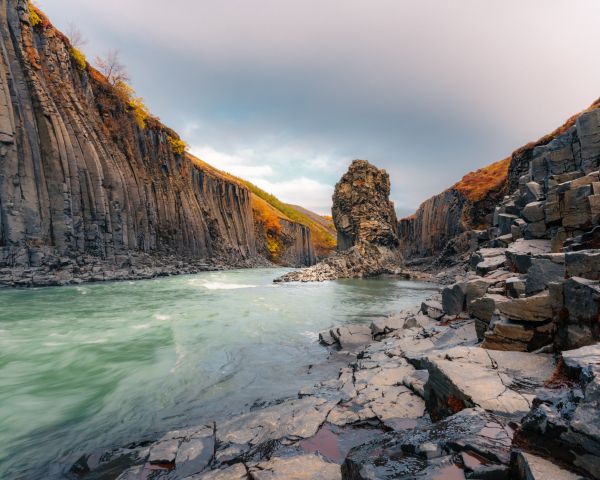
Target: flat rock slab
[292,419]
[302,467]
[497,381]
[532,467]
[536,308]
[235,472]
[352,337]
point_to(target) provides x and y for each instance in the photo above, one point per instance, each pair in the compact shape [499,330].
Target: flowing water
[87,367]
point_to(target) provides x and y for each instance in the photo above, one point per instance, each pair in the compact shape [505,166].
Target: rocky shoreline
[419,398]
[134,266]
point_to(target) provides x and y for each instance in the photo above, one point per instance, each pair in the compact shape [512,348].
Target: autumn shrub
[127,94]
[79,58]
[178,146]
[476,185]
[34,16]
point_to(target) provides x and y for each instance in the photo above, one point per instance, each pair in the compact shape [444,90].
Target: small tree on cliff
[110,65]
[75,36]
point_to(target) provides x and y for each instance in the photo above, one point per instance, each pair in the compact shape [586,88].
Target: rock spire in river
[366,225]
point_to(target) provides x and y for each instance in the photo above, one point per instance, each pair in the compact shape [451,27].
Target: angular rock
[519,253]
[542,272]
[536,308]
[505,221]
[499,382]
[490,264]
[534,212]
[483,308]
[532,467]
[352,337]
[453,299]
[427,451]
[302,467]
[584,263]
[515,287]
[433,309]
[235,472]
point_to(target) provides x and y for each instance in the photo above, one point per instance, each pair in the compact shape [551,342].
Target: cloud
[302,191]
[428,89]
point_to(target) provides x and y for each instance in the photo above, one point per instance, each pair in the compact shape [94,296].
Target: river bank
[105,364]
[417,398]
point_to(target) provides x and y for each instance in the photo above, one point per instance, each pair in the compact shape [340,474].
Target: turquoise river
[87,367]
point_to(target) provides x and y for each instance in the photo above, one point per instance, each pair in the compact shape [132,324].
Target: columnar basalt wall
[80,176]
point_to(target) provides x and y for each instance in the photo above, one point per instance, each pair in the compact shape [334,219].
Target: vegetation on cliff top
[478,184]
[324,239]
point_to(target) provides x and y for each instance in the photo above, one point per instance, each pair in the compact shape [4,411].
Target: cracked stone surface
[497,381]
[302,467]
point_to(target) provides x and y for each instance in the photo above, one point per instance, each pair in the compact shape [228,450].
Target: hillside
[322,230]
[470,203]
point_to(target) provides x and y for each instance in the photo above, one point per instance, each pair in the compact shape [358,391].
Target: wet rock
[564,421]
[352,337]
[164,452]
[302,467]
[532,467]
[428,452]
[290,419]
[499,382]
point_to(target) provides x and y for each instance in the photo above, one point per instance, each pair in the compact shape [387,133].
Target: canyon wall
[470,204]
[82,176]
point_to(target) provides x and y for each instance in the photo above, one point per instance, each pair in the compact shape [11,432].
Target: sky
[285,93]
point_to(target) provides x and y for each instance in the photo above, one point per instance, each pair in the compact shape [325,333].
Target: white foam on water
[226,286]
[162,316]
[142,326]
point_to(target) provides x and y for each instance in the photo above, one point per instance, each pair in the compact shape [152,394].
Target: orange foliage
[476,185]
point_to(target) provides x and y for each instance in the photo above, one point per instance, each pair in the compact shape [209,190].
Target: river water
[88,367]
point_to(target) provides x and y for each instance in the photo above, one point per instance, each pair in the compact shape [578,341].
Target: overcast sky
[287,93]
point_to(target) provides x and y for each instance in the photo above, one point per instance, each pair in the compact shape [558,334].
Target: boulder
[534,212]
[515,336]
[582,298]
[544,271]
[483,308]
[352,337]
[453,299]
[576,207]
[433,309]
[490,264]
[534,192]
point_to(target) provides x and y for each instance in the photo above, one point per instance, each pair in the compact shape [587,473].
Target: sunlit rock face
[367,228]
[362,210]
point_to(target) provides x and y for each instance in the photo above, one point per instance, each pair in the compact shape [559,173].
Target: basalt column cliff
[91,191]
